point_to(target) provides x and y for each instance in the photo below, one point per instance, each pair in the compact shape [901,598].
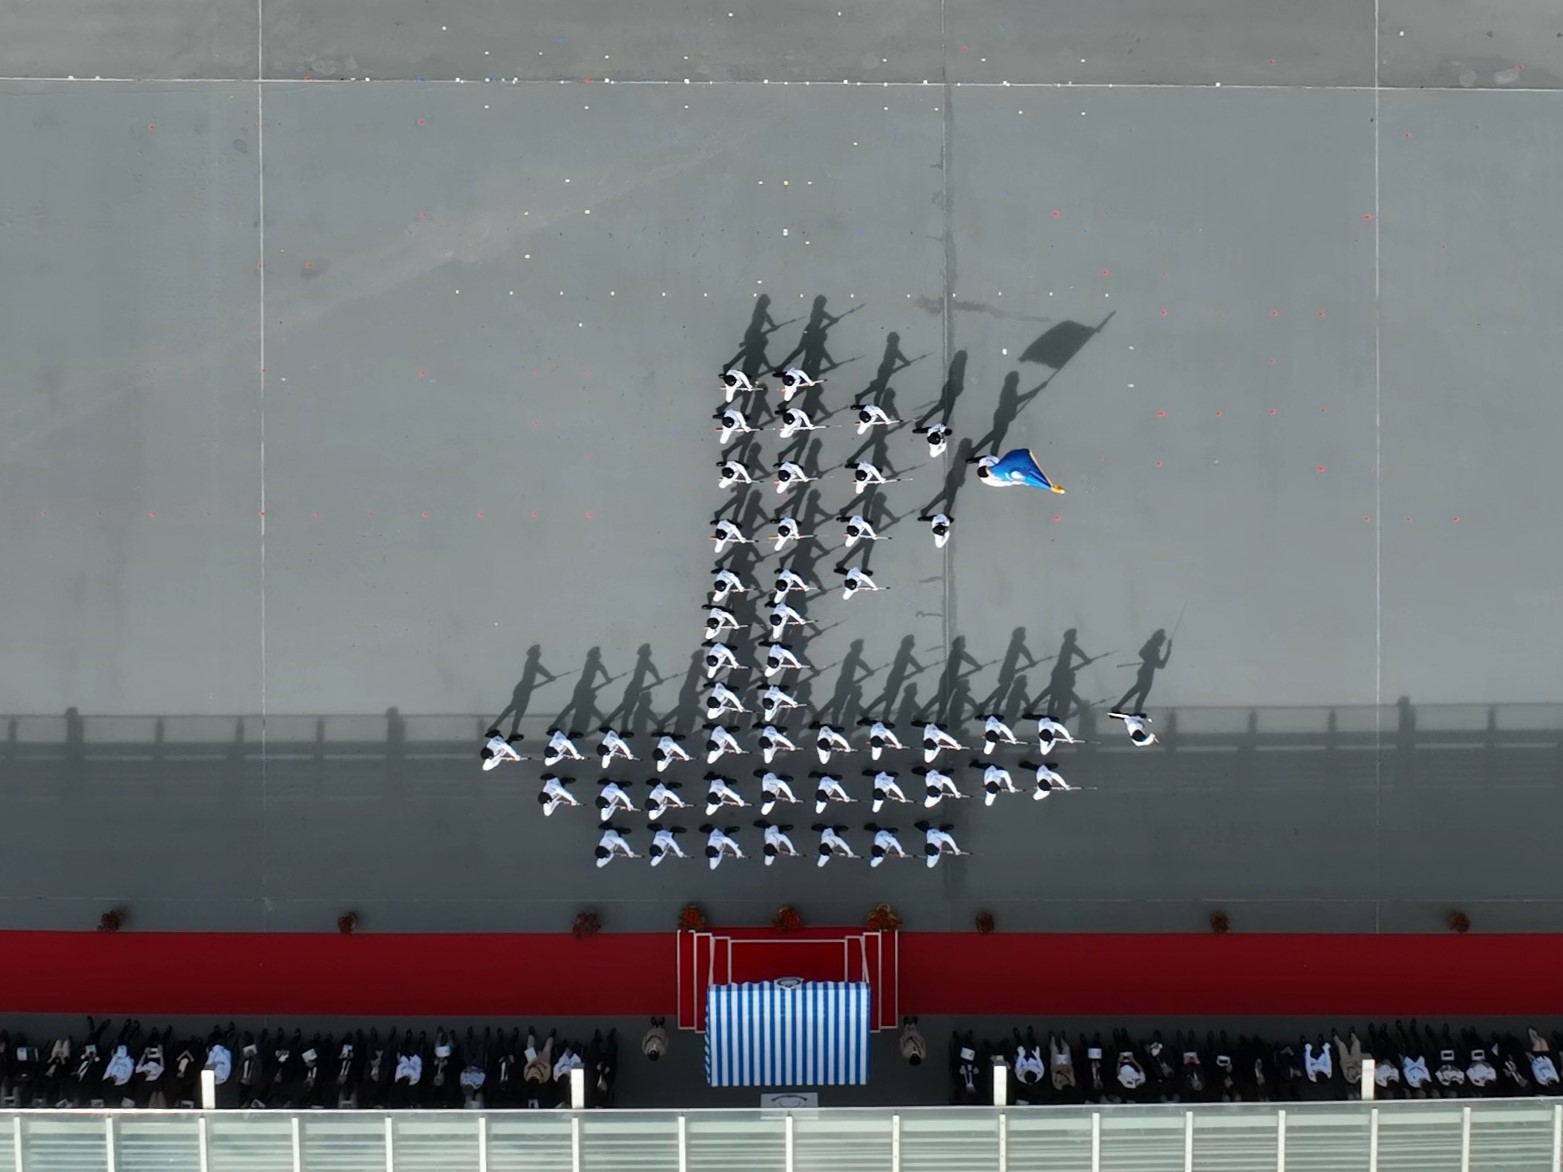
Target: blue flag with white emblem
[1020,467]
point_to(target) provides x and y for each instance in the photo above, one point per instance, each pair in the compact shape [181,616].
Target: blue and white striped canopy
[767,1034]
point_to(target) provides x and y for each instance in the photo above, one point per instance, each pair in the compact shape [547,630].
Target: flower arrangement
[586,924]
[882,918]
[1219,923]
[985,922]
[347,923]
[1458,923]
[112,920]
[786,919]
[691,918]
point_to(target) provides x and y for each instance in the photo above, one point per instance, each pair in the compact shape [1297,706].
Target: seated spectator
[655,1042]
[913,1048]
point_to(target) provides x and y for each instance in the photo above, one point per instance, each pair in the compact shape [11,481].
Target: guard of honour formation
[770,702]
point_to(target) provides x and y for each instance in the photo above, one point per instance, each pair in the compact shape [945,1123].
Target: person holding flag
[1018,467]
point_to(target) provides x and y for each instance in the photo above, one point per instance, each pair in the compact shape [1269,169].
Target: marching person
[995,732]
[721,743]
[654,1044]
[872,415]
[774,787]
[790,474]
[938,786]
[779,657]
[866,476]
[828,740]
[795,419]
[773,700]
[720,792]
[728,534]
[828,788]
[732,472]
[832,844]
[787,580]
[665,843]
[1018,467]
[612,798]
[719,619]
[1134,724]
[664,797]
[497,749]
[772,741]
[735,381]
[793,380]
[886,789]
[881,736]
[935,740]
[858,529]
[669,750]
[940,842]
[613,745]
[720,844]
[720,657]
[777,844]
[1050,733]
[722,699]
[783,616]
[855,579]
[941,524]
[731,422]
[613,845]
[553,795]
[886,844]
[995,781]
[559,747]
[1048,781]
[938,437]
[725,582]
[787,531]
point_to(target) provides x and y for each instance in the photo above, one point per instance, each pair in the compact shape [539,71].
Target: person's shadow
[582,712]
[1011,401]
[903,666]
[531,671]
[944,406]
[629,706]
[954,477]
[852,673]
[686,713]
[811,352]
[1059,699]
[1153,657]
[1061,343]
[1008,667]
[751,351]
[890,365]
[953,688]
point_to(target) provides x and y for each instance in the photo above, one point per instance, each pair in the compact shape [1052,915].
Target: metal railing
[1322,1137]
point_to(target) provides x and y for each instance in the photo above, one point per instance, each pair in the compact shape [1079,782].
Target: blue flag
[1019,467]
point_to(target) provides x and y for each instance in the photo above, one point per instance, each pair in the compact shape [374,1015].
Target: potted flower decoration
[1458,922]
[882,918]
[112,920]
[985,922]
[786,919]
[1219,923]
[691,918]
[347,923]
[586,924]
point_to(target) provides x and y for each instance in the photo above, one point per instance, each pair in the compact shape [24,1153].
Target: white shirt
[793,379]
[553,788]
[1049,730]
[782,844]
[858,529]
[733,420]
[773,697]
[1317,1061]
[501,751]
[773,741]
[829,789]
[880,737]
[718,619]
[731,473]
[1000,731]
[668,750]
[736,380]
[720,793]
[719,656]
[665,841]
[830,741]
[938,439]
[779,659]
[782,615]
[723,844]
[865,473]
[722,698]
[775,788]
[1136,726]
[1029,1063]
[410,1068]
[1480,1072]
[788,474]
[613,745]
[725,582]
[837,845]
[794,420]
[560,745]
[729,534]
[1047,781]
[885,783]
[856,580]
[568,1061]
[661,795]
[787,580]
[786,530]
[1543,1069]
[871,415]
[888,843]
[1129,1075]
[1415,1070]
[616,844]
[120,1067]
[722,741]
[616,799]
[940,523]
[932,732]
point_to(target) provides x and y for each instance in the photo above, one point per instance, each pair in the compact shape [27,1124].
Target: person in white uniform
[995,733]
[723,583]
[937,787]
[498,749]
[789,475]
[855,580]
[772,741]
[1049,781]
[795,379]
[858,529]
[777,844]
[720,657]
[720,844]
[613,845]
[774,700]
[787,531]
[669,750]
[872,415]
[727,534]
[1137,725]
[718,620]
[722,699]
[731,422]
[720,792]
[1050,732]
[664,843]
[721,743]
[614,745]
[828,740]
[995,781]
[553,795]
[881,736]
[732,472]
[735,381]
[794,420]
[1029,1067]
[786,582]
[936,740]
[886,844]
[559,747]
[782,616]
[866,475]
[664,796]
[779,657]
[886,789]
[939,842]
[831,844]
[612,798]
[938,437]
[827,789]
[940,524]
[774,787]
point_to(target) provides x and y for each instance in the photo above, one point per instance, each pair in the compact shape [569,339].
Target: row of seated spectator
[492,1069]
[1410,1061]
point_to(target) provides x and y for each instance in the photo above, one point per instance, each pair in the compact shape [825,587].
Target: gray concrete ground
[332,397]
